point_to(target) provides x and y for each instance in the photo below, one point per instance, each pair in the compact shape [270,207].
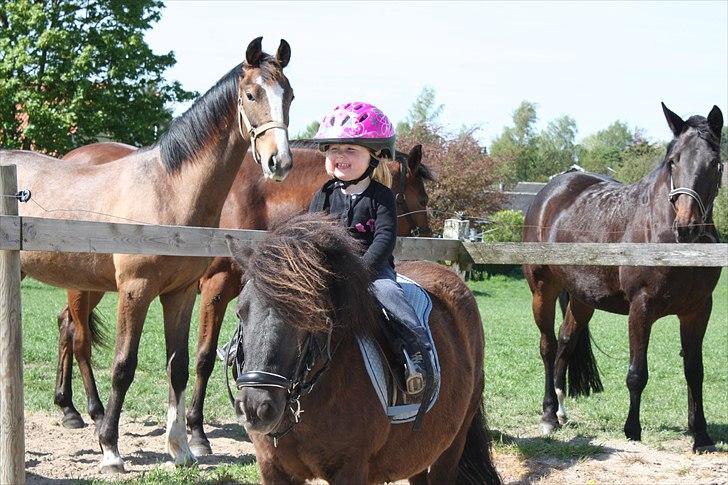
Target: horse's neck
[201,186]
[654,208]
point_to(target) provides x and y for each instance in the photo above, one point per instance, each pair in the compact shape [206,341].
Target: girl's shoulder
[381,192]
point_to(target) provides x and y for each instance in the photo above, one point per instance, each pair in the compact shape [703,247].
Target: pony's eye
[249,96]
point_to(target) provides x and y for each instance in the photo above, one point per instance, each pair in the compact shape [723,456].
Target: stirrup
[414,380]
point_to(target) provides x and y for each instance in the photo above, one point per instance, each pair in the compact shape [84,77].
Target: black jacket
[370,216]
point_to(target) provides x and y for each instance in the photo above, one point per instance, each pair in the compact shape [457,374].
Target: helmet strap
[373,163]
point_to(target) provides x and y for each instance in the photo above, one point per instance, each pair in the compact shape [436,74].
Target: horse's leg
[134,299]
[640,326]
[692,331]
[81,304]
[544,306]
[216,292]
[177,309]
[576,319]
[64,373]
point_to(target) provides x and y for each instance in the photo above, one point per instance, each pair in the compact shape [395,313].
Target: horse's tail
[583,373]
[97,326]
[476,462]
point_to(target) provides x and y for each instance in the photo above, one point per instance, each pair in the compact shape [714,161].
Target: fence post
[12,420]
[458,229]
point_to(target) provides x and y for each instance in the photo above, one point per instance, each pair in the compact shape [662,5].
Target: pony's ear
[675,123]
[239,251]
[715,120]
[284,53]
[414,158]
[254,52]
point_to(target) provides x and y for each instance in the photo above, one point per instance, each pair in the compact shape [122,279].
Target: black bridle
[296,386]
[403,209]
[704,210]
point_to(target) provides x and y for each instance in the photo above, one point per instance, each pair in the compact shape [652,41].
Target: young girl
[354,137]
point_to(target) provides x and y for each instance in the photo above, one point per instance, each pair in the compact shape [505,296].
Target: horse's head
[264,100]
[299,281]
[694,169]
[411,194]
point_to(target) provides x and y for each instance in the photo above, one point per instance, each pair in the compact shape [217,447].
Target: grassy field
[514,374]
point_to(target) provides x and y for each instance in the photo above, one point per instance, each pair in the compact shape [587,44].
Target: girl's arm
[385,232]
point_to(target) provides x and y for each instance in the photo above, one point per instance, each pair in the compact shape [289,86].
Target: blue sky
[595,61]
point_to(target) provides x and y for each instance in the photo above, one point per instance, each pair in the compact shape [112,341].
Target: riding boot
[412,344]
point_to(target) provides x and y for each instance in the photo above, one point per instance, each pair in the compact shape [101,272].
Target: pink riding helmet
[358,123]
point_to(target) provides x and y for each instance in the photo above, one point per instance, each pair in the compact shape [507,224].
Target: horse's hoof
[185,461]
[704,449]
[201,448]
[112,469]
[563,419]
[73,421]
[548,428]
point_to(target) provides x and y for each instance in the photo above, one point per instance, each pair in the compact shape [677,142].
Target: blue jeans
[391,297]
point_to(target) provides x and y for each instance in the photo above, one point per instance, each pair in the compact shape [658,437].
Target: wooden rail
[40,234]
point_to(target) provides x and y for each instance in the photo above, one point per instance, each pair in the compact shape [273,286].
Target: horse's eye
[249,96]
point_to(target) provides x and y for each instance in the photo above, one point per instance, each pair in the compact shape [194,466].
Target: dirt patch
[56,455]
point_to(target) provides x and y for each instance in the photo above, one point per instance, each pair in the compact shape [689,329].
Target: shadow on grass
[32,479]
[542,456]
[717,431]
[227,430]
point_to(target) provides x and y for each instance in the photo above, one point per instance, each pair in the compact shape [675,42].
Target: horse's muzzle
[261,410]
[279,165]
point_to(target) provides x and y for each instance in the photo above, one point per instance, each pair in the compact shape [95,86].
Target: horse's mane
[208,117]
[309,269]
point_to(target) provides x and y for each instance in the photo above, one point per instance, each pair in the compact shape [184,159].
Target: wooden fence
[40,234]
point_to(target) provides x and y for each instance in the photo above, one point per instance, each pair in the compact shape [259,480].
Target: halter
[691,193]
[255,131]
[296,386]
[401,199]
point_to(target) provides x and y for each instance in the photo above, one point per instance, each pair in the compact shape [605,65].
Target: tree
[423,114]
[309,132]
[556,148]
[639,158]
[516,148]
[72,70]
[601,152]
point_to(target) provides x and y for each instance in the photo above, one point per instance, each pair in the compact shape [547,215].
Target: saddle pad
[378,370]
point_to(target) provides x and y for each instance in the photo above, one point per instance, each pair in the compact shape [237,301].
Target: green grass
[514,377]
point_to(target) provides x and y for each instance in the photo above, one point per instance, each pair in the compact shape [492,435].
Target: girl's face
[347,162]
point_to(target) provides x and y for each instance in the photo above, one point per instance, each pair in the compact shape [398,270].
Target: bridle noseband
[296,386]
[401,199]
[255,131]
[704,210]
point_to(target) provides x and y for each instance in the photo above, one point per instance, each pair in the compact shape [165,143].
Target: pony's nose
[265,412]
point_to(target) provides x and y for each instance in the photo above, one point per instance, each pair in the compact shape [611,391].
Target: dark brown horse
[184,179]
[251,204]
[304,302]
[671,204]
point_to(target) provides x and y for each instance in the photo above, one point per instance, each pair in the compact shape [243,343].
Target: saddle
[386,368]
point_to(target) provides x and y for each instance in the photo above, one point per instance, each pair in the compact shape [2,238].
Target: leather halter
[255,131]
[296,386]
[401,198]
[704,210]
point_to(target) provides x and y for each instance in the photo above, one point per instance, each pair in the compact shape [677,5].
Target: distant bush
[720,214]
[503,226]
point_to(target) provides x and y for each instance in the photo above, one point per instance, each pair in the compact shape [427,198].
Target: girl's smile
[347,162]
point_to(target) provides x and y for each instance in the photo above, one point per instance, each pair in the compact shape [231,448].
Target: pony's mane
[309,269]
[208,117]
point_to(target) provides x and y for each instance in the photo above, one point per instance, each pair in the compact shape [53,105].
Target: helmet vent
[343,122]
[363,117]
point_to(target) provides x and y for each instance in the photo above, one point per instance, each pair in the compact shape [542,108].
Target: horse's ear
[284,53]
[414,158]
[675,123]
[239,251]
[254,52]
[715,120]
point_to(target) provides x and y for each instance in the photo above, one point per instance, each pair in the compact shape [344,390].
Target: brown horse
[251,204]
[579,207]
[304,301]
[184,179]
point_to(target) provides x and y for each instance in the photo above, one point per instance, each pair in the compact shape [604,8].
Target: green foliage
[309,131]
[720,214]
[638,160]
[724,145]
[516,149]
[505,226]
[73,70]
[601,152]
[463,169]
[556,148]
